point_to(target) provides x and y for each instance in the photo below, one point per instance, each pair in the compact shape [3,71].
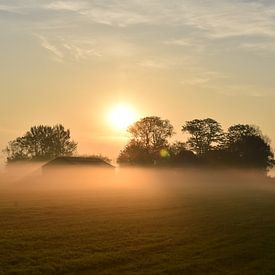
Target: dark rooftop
[74,161]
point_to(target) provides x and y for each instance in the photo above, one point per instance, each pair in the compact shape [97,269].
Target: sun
[122,116]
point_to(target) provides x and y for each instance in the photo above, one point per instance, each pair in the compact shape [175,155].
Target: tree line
[207,144]
[242,145]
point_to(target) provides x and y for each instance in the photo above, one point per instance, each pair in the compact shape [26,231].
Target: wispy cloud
[205,21]
[62,48]
[259,47]
[180,42]
[246,90]
[201,77]
[218,18]
[131,26]
[66,6]
[214,19]
[80,52]
[57,54]
[111,13]
[154,64]
[234,18]
[10,9]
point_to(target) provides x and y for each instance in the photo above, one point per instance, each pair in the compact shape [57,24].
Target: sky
[70,62]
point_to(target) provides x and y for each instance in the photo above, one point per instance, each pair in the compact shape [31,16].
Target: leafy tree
[151,132]
[205,135]
[242,146]
[148,136]
[248,147]
[41,143]
[135,153]
[237,131]
[180,154]
[251,152]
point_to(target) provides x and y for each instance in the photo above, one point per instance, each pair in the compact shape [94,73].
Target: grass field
[139,222]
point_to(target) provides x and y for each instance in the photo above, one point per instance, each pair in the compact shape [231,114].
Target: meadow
[138,221]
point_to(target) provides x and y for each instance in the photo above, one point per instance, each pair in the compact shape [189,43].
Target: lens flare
[164,153]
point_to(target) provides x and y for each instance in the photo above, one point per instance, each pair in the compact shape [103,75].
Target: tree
[151,132]
[148,137]
[248,147]
[237,131]
[251,152]
[180,154]
[41,143]
[135,153]
[206,135]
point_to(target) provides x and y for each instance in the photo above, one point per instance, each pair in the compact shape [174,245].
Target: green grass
[185,228]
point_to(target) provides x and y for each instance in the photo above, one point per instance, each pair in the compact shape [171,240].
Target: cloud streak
[62,48]
[57,54]
[209,19]
[259,47]
[66,6]
[223,19]
[151,34]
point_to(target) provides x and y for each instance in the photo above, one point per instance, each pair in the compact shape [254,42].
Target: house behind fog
[70,162]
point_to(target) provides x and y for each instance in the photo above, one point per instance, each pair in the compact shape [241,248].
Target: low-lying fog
[31,181]
[117,220]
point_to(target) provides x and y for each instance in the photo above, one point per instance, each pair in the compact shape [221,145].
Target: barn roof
[74,161]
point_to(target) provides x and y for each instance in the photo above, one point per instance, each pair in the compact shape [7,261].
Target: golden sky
[70,62]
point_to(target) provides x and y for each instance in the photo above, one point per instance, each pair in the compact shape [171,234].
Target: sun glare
[122,116]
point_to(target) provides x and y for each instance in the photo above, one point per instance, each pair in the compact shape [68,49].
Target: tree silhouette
[252,152]
[152,132]
[180,154]
[243,146]
[248,147]
[135,153]
[206,135]
[237,131]
[41,143]
[148,137]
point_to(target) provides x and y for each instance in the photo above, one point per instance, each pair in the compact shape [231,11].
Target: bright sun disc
[122,116]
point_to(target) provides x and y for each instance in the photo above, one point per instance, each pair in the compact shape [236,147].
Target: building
[70,162]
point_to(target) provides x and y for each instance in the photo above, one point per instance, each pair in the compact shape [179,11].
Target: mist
[112,220]
[21,183]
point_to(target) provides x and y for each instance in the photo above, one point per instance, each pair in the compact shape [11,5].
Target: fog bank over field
[124,220]
[142,181]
